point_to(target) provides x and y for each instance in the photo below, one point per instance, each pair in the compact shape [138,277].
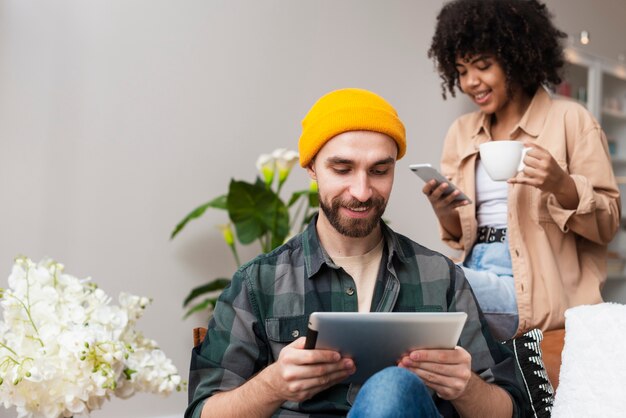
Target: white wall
[117,117]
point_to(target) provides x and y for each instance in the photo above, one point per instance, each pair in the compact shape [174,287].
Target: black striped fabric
[527,351]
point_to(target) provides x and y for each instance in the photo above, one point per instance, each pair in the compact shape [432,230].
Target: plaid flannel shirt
[268,303]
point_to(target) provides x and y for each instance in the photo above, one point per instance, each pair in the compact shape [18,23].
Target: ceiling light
[584,37]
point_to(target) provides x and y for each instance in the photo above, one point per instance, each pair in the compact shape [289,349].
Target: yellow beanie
[348,110]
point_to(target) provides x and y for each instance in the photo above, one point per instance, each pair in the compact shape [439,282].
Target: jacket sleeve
[597,216]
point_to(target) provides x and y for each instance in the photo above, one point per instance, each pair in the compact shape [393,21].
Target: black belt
[488,235]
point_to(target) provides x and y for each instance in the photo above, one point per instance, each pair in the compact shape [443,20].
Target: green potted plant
[257,213]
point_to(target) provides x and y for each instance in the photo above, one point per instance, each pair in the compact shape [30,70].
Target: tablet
[427,172]
[375,340]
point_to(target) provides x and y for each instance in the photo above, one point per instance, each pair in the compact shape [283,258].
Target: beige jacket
[559,255]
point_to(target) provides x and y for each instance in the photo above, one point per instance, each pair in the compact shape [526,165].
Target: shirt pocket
[286,329]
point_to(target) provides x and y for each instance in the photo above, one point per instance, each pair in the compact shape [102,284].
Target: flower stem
[236,255]
[296,215]
[30,318]
[6,347]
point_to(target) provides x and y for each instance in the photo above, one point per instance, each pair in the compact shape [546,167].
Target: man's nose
[361,188]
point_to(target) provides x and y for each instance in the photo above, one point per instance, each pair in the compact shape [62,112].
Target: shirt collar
[315,256]
[535,116]
[531,122]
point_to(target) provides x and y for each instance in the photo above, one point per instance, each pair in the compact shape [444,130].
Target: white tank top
[491,199]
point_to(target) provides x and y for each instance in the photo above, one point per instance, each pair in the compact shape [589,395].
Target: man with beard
[252,362]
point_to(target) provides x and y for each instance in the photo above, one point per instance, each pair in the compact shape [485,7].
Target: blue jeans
[489,271]
[394,393]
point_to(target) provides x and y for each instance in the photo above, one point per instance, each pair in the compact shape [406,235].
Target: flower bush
[65,349]
[258,214]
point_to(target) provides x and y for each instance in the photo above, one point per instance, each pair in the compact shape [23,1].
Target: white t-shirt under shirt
[364,270]
[491,199]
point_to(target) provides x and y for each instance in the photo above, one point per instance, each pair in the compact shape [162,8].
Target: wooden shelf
[613,113]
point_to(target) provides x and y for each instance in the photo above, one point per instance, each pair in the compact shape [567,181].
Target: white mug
[502,159]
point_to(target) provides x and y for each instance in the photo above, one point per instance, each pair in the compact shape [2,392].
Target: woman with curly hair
[536,244]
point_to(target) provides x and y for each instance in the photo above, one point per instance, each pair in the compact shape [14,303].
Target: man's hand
[447,372]
[299,374]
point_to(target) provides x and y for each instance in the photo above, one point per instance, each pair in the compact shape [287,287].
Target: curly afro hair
[519,33]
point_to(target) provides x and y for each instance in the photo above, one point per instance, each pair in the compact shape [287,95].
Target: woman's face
[482,78]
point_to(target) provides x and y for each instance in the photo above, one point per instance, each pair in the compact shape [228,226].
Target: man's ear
[310,169]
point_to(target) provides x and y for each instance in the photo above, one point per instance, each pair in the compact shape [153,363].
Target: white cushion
[592,381]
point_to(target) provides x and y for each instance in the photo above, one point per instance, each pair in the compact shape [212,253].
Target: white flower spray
[65,349]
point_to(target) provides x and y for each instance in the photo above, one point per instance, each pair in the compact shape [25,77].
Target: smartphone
[427,172]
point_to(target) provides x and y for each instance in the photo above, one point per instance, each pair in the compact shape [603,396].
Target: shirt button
[350,291]
[295,333]
[516,253]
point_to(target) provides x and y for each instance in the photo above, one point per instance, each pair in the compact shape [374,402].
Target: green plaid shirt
[268,303]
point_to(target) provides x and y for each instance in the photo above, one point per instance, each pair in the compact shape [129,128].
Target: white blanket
[592,381]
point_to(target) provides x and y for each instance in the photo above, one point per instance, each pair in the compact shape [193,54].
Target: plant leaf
[217,203]
[308,219]
[256,210]
[295,196]
[278,218]
[212,286]
[201,306]
[314,199]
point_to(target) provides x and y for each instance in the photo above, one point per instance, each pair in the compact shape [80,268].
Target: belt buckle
[490,234]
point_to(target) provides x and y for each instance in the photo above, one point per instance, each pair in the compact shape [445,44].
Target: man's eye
[380,172]
[341,170]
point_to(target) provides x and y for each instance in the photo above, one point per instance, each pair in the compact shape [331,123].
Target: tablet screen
[375,340]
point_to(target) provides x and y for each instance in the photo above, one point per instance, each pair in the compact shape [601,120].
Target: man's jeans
[394,393]
[489,271]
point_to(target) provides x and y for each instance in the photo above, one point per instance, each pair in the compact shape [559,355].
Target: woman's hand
[543,172]
[442,204]
[445,205]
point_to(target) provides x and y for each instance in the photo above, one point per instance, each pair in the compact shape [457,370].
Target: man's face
[354,173]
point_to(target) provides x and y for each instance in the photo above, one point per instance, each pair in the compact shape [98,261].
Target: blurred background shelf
[613,113]
[600,85]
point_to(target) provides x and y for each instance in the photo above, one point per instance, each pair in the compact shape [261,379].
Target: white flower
[266,165]
[285,160]
[64,348]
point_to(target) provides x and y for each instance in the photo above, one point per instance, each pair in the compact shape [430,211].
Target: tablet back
[376,340]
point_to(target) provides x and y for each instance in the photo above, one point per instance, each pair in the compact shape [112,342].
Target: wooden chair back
[198,335]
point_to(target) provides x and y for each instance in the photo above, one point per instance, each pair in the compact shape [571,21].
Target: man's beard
[354,227]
